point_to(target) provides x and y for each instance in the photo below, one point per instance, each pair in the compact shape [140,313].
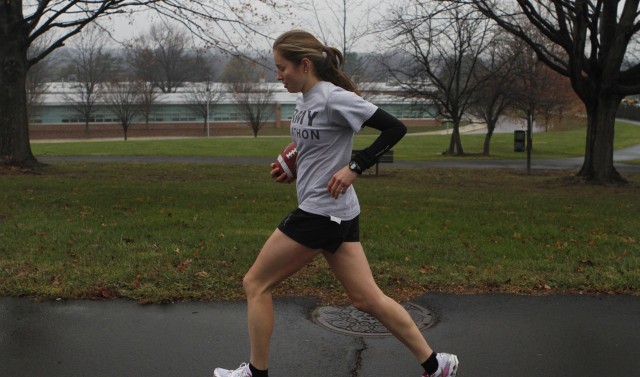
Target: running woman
[327,115]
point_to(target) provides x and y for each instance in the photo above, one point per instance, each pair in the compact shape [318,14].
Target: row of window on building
[175,107]
[45,115]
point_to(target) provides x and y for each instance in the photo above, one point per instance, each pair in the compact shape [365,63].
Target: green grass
[411,148]
[164,232]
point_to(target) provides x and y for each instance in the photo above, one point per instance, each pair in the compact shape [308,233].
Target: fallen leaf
[184,264]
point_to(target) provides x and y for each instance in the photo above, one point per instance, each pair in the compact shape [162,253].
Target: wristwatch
[355,167]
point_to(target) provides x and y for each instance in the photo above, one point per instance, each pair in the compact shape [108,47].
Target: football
[286,160]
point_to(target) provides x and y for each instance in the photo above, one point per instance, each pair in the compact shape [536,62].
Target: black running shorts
[319,232]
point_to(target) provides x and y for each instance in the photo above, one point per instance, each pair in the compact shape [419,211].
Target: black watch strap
[355,166]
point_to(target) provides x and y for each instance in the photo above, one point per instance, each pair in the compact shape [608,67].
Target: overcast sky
[124,27]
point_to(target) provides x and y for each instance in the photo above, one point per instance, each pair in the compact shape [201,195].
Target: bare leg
[351,268]
[279,258]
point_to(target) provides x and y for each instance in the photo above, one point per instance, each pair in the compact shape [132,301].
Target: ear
[306,64]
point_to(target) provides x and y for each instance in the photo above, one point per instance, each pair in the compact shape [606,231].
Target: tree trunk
[15,148]
[486,148]
[598,159]
[455,143]
[529,140]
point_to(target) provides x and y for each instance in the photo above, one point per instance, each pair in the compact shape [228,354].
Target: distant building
[55,113]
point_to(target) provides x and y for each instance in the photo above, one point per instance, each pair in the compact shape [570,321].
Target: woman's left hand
[340,181]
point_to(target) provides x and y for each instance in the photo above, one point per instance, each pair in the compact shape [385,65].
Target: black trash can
[519,140]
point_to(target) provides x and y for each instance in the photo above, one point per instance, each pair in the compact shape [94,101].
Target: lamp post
[206,120]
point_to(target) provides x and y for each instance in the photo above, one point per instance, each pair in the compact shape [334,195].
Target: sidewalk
[572,164]
[494,335]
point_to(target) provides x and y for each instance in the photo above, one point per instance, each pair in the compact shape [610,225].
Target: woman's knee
[368,304]
[254,285]
[251,284]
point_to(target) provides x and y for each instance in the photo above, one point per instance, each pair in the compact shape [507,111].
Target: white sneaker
[447,366]
[242,371]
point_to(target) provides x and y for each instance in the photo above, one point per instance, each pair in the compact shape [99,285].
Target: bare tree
[255,102]
[92,67]
[162,57]
[202,95]
[148,96]
[123,100]
[341,23]
[492,99]
[239,69]
[536,93]
[142,61]
[200,98]
[443,46]
[594,39]
[220,23]
[37,84]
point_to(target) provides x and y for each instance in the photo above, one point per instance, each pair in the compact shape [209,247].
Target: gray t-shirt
[323,125]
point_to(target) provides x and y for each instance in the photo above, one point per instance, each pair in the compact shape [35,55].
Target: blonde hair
[296,45]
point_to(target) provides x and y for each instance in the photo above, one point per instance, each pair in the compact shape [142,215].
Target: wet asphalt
[495,335]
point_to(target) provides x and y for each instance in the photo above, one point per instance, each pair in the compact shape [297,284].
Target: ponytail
[331,70]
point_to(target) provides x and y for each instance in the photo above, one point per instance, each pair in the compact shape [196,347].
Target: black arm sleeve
[392,130]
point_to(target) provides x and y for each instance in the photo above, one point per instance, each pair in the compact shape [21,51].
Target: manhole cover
[351,321]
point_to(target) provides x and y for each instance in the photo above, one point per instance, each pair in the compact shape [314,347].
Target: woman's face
[294,77]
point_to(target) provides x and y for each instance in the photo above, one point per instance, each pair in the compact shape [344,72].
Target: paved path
[575,163]
[494,335]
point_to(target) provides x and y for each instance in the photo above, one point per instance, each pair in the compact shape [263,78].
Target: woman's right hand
[278,175]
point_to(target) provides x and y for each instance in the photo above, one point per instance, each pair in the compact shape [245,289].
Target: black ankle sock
[257,372]
[431,365]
